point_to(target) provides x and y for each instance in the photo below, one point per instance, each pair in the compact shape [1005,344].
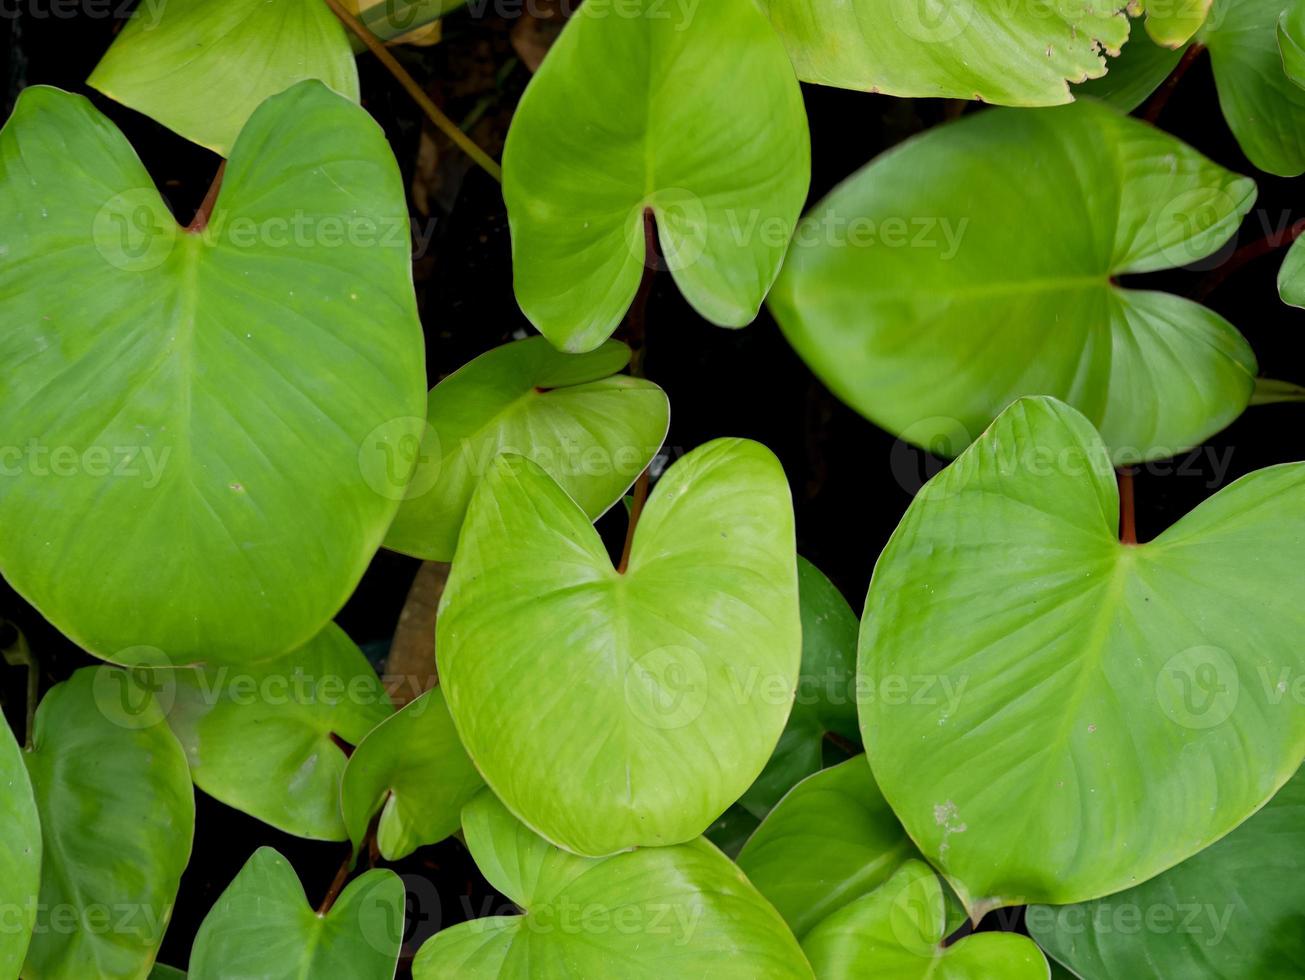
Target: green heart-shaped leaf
[832,839]
[612,709]
[1008,55]
[262,738]
[1137,71]
[117,818]
[1264,108]
[201,67]
[216,404]
[262,926]
[656,912]
[692,113]
[591,429]
[931,327]
[413,769]
[1172,23]
[896,933]
[1232,912]
[825,700]
[1125,695]
[20,855]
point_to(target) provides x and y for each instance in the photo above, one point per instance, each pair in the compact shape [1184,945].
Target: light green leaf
[413,769]
[1264,108]
[1113,708]
[1232,912]
[832,839]
[614,709]
[692,112]
[896,933]
[218,406]
[1269,391]
[1172,23]
[1137,71]
[825,700]
[260,739]
[931,327]
[263,927]
[591,429]
[652,913]
[20,855]
[1009,55]
[1291,275]
[389,19]
[1291,41]
[201,67]
[117,818]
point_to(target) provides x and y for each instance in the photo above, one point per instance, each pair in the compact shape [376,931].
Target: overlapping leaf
[219,407]
[1118,706]
[1002,282]
[20,855]
[691,111]
[677,911]
[201,67]
[591,429]
[613,709]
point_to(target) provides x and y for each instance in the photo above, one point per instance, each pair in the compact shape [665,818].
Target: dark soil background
[851,481]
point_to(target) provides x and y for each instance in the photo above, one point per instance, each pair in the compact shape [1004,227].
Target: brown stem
[1248,253]
[1161,98]
[442,122]
[635,335]
[337,885]
[200,221]
[1127,510]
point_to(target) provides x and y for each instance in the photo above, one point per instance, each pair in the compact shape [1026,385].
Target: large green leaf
[1291,41]
[1116,705]
[1264,108]
[413,769]
[611,709]
[591,429]
[931,327]
[117,818]
[825,700]
[655,913]
[832,839]
[693,113]
[263,739]
[1022,54]
[262,927]
[214,405]
[1134,73]
[1233,912]
[201,67]
[896,933]
[20,855]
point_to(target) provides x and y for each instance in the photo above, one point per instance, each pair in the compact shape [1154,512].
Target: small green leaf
[1171,23]
[650,914]
[1271,392]
[1291,275]
[607,709]
[591,429]
[896,933]
[117,817]
[1264,108]
[825,700]
[1098,711]
[1232,912]
[832,839]
[262,739]
[20,855]
[161,972]
[1291,41]
[1008,55]
[413,769]
[1137,71]
[201,67]
[223,406]
[931,327]
[262,926]
[692,113]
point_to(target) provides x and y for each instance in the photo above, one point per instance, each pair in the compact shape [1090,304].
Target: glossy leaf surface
[591,429]
[1125,695]
[20,854]
[607,709]
[931,327]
